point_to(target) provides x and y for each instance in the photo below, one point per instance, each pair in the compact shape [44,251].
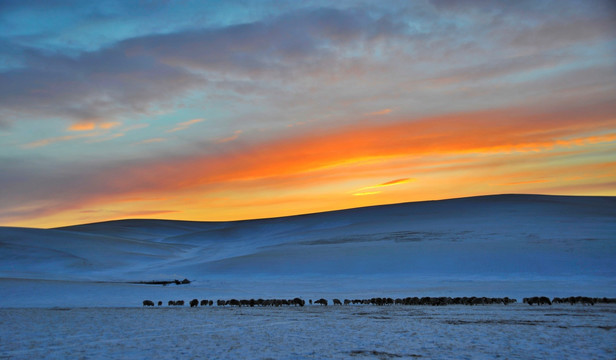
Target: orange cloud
[366,193]
[380,112]
[91,125]
[302,156]
[453,155]
[525,182]
[82,126]
[109,125]
[454,135]
[389,183]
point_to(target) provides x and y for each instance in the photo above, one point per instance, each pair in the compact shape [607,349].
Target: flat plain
[515,331]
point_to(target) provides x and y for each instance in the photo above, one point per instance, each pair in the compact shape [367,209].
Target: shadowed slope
[521,236]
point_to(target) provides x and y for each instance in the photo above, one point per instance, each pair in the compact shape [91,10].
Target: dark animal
[584,300]
[337,302]
[148,303]
[194,303]
[179,303]
[160,303]
[543,300]
[170,303]
[204,302]
[347,301]
[539,300]
[321,301]
[298,302]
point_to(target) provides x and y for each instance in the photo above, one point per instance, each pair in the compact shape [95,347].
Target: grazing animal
[298,302]
[584,300]
[544,301]
[539,300]
[381,301]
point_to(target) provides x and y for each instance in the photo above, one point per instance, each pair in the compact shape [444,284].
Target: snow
[64,293]
[506,245]
[312,332]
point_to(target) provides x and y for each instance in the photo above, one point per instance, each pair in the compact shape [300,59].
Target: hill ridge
[477,197]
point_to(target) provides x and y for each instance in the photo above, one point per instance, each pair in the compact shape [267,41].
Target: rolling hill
[489,244]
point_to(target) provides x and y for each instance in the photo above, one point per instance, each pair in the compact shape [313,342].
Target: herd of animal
[583,300]
[434,301]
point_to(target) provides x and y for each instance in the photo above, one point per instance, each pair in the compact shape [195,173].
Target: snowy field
[67,292]
[313,332]
[506,245]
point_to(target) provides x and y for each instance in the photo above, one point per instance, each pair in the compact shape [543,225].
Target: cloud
[380,112]
[292,52]
[136,127]
[564,32]
[140,75]
[366,193]
[295,38]
[184,125]
[150,141]
[91,125]
[53,140]
[525,182]
[489,80]
[109,125]
[82,126]
[103,84]
[85,130]
[105,138]
[301,159]
[389,183]
[235,135]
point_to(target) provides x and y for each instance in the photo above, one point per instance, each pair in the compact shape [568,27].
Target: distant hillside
[503,236]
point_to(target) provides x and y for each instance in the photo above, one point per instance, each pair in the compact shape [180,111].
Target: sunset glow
[226,111]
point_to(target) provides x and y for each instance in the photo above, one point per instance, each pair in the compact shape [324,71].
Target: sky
[227,110]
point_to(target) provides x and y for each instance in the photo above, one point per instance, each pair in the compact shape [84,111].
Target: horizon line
[320,212]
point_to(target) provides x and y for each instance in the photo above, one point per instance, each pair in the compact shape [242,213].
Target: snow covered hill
[492,244]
